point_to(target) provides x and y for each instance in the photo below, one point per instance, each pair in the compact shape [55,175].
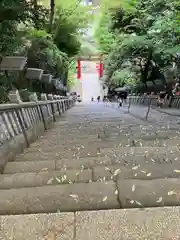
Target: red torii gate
[99,66]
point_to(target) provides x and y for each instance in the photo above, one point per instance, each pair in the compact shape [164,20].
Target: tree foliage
[146,39]
[48,32]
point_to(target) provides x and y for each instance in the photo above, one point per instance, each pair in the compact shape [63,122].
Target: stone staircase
[94,158]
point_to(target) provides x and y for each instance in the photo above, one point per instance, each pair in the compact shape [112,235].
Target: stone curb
[151,223]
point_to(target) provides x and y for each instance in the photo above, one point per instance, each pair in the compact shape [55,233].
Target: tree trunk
[144,75]
[36,14]
[52,6]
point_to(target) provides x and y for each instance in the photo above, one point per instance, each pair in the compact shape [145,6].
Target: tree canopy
[48,32]
[141,40]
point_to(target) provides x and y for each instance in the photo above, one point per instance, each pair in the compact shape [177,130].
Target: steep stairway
[94,158]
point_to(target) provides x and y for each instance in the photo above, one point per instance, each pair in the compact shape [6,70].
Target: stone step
[153,223]
[129,224]
[127,154]
[84,153]
[118,138]
[42,156]
[149,193]
[43,178]
[63,143]
[75,138]
[56,140]
[49,199]
[141,172]
[73,147]
[91,196]
[112,129]
[139,151]
[96,173]
[87,125]
[119,126]
[30,166]
[112,142]
[52,226]
[50,165]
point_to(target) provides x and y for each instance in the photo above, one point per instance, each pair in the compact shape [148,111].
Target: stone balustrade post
[14,97]
[33,97]
[43,97]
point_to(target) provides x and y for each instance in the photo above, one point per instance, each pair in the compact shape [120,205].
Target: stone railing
[174,101]
[21,124]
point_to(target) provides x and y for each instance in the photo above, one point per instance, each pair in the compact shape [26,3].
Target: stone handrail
[173,101]
[21,124]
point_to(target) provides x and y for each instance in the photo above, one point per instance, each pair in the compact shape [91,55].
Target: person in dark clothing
[125,97]
[98,98]
[161,99]
[119,102]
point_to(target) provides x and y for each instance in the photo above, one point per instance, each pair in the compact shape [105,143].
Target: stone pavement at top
[96,163]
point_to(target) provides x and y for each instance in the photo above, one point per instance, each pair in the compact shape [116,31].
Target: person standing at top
[120,101]
[98,98]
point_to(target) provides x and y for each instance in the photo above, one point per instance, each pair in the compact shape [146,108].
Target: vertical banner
[101,67]
[78,69]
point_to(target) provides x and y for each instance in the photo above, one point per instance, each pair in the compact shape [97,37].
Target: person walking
[119,102]
[98,98]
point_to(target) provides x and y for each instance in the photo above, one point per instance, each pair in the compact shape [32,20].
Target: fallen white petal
[50,180]
[133,188]
[58,180]
[73,196]
[116,192]
[117,171]
[149,174]
[143,171]
[132,201]
[135,167]
[159,200]
[104,199]
[177,171]
[44,169]
[107,169]
[138,203]
[170,193]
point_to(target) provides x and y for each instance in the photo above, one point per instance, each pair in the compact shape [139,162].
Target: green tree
[146,36]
